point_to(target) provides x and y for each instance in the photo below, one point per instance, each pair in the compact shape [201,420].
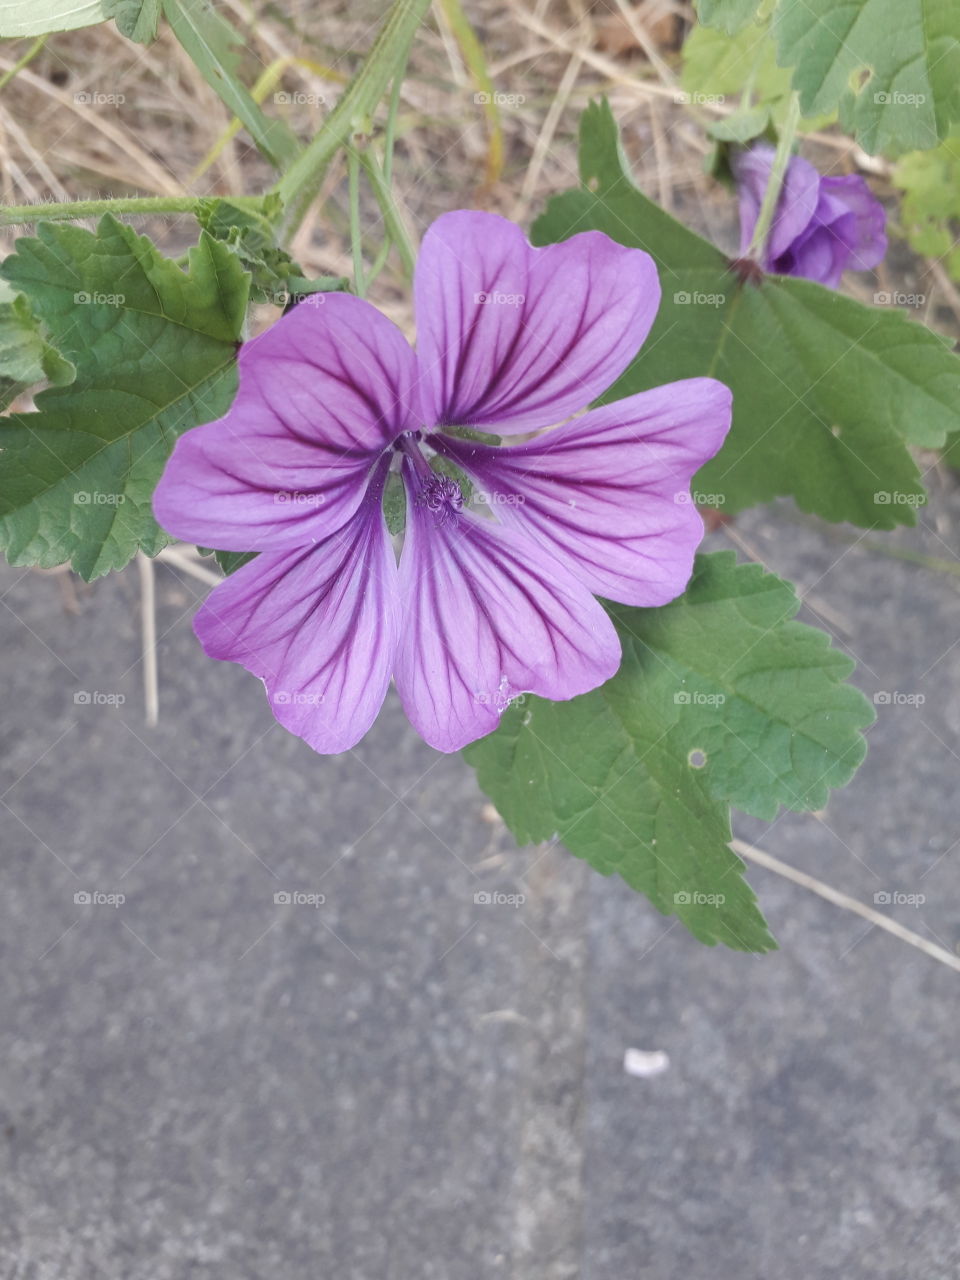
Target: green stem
[21,62]
[391,131]
[391,217]
[356,241]
[13,215]
[298,187]
[775,182]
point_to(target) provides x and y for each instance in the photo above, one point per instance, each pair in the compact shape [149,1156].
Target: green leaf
[729,15]
[892,66]
[720,700]
[231,561]
[718,67]
[154,349]
[930,210]
[25,355]
[741,127]
[37,17]
[251,235]
[827,393]
[136,19]
[213,44]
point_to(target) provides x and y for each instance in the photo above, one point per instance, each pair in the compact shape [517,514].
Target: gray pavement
[402,1084]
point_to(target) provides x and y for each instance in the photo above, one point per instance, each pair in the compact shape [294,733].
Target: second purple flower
[822,226]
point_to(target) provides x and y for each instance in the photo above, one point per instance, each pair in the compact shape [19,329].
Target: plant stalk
[771,195]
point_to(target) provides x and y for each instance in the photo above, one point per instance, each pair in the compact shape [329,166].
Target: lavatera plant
[503,520]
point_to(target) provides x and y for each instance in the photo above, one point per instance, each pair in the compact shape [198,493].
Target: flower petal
[486,618]
[322,393]
[609,493]
[850,193]
[514,338]
[795,207]
[318,625]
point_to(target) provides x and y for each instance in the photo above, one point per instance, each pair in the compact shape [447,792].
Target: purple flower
[821,227]
[492,598]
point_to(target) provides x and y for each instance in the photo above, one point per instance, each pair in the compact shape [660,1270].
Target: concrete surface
[401,1083]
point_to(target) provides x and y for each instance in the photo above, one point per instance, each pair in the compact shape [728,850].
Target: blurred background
[256,1020]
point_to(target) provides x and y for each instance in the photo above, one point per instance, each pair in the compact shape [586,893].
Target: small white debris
[645,1062]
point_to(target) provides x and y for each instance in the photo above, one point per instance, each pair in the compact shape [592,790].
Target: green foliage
[728,15]
[930,210]
[25,355]
[251,234]
[154,350]
[719,66]
[213,46]
[720,700]
[37,17]
[892,66]
[136,19]
[828,394]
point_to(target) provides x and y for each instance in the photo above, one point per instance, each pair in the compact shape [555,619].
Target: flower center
[439,494]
